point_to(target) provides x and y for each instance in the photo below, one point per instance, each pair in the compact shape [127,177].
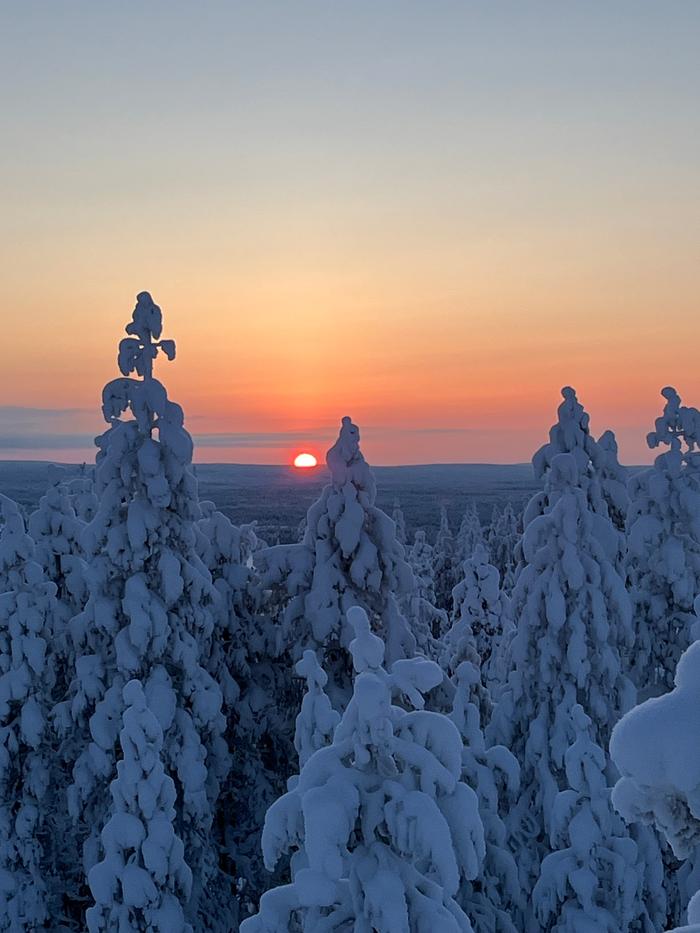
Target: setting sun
[305,461]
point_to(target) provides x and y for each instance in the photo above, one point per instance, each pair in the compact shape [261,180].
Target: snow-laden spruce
[613,480]
[317,719]
[444,571]
[349,557]
[139,882]
[57,530]
[27,615]
[149,611]
[656,748]
[571,434]
[593,878]
[502,540]
[496,895]
[427,622]
[382,828]
[572,613]
[481,615]
[470,534]
[399,521]
[663,563]
[260,698]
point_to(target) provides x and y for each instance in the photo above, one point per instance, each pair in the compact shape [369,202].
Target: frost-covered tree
[593,879]
[481,613]
[383,829]
[349,557]
[27,613]
[655,749]
[56,530]
[427,621]
[495,896]
[149,613]
[140,881]
[572,614]
[571,434]
[317,719]
[502,540]
[613,480]
[470,534]
[663,560]
[444,575]
[399,520]
[260,698]
[81,490]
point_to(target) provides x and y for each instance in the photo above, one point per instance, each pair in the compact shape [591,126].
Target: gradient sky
[429,216]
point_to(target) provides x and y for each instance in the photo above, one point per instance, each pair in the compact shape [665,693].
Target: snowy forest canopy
[495,730]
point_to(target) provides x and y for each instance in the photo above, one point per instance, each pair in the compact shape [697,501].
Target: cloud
[256,438]
[46,441]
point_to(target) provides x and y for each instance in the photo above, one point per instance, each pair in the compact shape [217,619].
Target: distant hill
[278,497]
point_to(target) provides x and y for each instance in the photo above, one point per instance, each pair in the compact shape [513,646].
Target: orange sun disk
[304,461]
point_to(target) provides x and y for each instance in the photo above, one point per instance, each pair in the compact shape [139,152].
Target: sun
[305,461]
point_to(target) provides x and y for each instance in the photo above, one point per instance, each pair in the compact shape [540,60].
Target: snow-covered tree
[149,612]
[655,749]
[494,774]
[56,530]
[382,828]
[81,490]
[613,480]
[481,614]
[317,719]
[571,434]
[470,534]
[349,557]
[399,520]
[427,622]
[143,876]
[663,560]
[260,698]
[444,576]
[27,613]
[593,879]
[572,614]
[502,539]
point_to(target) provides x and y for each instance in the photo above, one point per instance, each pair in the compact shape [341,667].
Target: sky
[427,215]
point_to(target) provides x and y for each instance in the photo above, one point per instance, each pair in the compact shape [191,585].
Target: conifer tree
[399,520]
[382,827]
[495,896]
[572,613]
[27,614]
[317,719]
[663,561]
[427,622]
[140,881]
[654,747]
[470,535]
[593,879]
[481,614]
[502,541]
[349,557]
[613,480]
[444,576]
[149,612]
